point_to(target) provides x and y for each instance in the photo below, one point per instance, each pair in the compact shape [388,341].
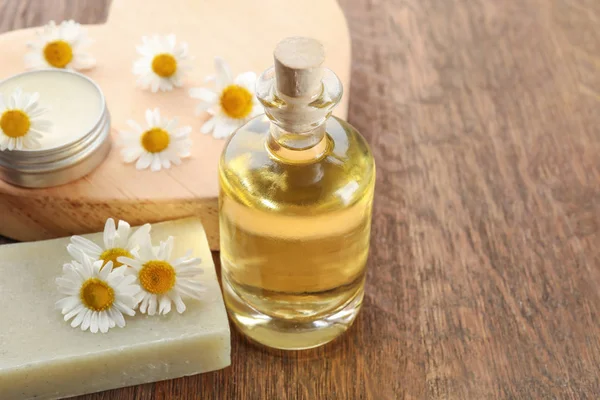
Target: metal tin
[63,164]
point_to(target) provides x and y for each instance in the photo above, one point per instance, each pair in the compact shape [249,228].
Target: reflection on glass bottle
[295,208]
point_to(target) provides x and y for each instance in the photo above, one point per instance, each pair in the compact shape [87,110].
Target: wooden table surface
[484,274]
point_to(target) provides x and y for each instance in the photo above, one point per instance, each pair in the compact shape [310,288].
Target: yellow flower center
[58,53]
[157,277]
[14,123]
[236,101]
[96,295]
[155,140]
[164,65]
[113,254]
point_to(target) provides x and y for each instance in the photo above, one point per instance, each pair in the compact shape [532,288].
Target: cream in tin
[80,136]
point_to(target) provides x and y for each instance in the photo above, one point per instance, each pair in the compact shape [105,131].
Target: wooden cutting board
[243,33]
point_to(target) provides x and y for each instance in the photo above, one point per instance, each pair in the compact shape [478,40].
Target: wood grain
[121,191]
[485,264]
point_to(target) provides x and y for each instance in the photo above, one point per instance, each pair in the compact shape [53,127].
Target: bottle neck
[294,147]
[298,123]
[295,140]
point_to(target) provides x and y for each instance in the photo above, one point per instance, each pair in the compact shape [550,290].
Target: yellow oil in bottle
[295,234]
[295,208]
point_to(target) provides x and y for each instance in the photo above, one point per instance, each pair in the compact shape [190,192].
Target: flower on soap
[97,295]
[162,63]
[118,241]
[60,46]
[164,280]
[232,104]
[159,145]
[20,126]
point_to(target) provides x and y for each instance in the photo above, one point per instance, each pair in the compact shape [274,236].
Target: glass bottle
[295,208]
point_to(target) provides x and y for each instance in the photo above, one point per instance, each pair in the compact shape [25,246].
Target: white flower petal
[144,161]
[38,111]
[164,305]
[169,247]
[94,322]
[103,323]
[123,231]
[152,305]
[135,126]
[189,293]
[124,308]
[67,304]
[117,317]
[15,98]
[223,75]
[31,103]
[188,262]
[105,271]
[146,252]
[156,164]
[85,245]
[202,107]
[191,273]
[109,233]
[139,236]
[247,80]
[150,118]
[75,252]
[87,319]
[170,125]
[131,154]
[224,129]
[83,61]
[111,322]
[79,318]
[144,303]
[30,143]
[203,94]
[176,298]
[74,312]
[208,125]
[130,261]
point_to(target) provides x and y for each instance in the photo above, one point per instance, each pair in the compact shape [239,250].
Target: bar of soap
[42,357]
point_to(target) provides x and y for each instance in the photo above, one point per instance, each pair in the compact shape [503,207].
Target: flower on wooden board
[231,105]
[60,46]
[162,63]
[161,144]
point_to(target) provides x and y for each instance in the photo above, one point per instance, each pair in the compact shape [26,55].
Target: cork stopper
[299,66]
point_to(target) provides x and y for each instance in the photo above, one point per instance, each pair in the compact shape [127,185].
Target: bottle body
[295,226]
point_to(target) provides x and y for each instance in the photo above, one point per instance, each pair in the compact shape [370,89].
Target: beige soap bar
[42,357]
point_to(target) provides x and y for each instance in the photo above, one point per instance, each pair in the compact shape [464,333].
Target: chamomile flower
[159,145]
[162,280]
[162,63]
[118,241]
[60,46]
[233,103]
[20,126]
[97,295]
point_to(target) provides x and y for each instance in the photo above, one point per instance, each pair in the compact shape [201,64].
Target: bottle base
[287,334]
